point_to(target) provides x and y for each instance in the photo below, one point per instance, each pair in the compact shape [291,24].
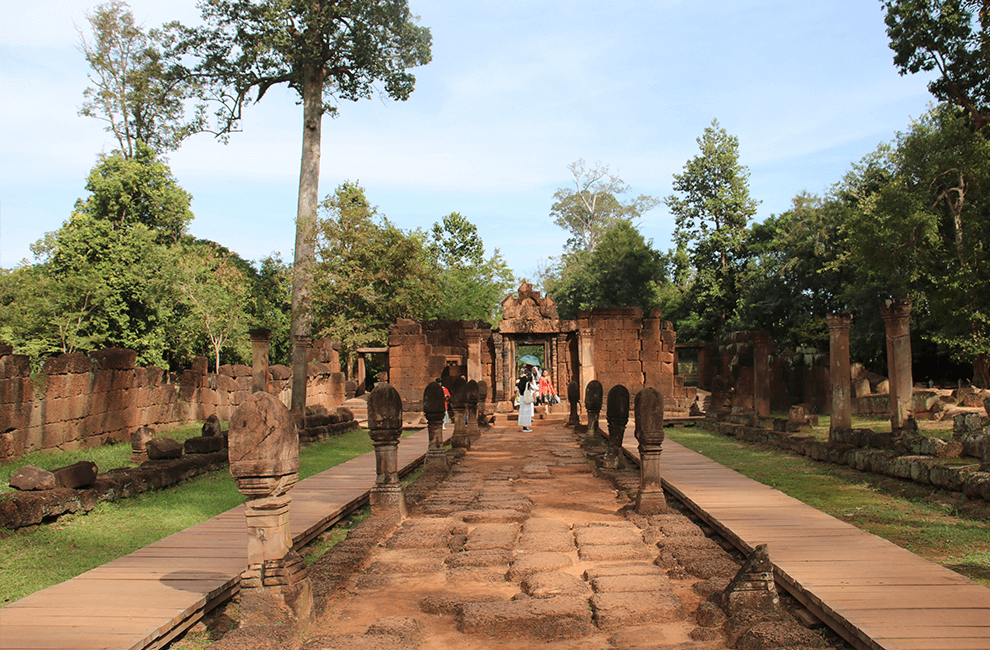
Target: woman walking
[525,392]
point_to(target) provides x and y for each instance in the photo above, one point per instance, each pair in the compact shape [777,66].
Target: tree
[470,286]
[623,271]
[325,51]
[215,291]
[926,229]
[951,37]
[591,207]
[711,214]
[368,274]
[132,91]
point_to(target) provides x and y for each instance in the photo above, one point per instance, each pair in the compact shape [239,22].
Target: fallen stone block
[164,449]
[616,610]
[542,618]
[204,444]
[76,475]
[30,478]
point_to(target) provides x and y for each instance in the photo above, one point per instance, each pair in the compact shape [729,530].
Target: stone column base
[387,500]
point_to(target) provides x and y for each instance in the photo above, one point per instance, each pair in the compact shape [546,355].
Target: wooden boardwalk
[148,598]
[874,593]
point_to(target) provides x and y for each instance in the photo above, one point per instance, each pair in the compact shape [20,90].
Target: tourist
[525,393]
[548,396]
[446,403]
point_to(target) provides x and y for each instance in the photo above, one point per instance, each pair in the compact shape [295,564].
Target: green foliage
[244,47]
[215,291]
[132,91]
[623,271]
[368,272]
[272,305]
[712,209]
[951,37]
[469,286]
[589,209]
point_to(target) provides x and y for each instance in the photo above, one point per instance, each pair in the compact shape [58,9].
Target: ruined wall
[420,351]
[83,400]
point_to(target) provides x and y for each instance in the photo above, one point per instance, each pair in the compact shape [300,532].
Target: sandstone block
[204,444]
[30,477]
[77,475]
[164,448]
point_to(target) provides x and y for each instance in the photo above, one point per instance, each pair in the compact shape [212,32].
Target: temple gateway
[613,345]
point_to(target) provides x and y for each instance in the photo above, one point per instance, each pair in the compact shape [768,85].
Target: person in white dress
[526,398]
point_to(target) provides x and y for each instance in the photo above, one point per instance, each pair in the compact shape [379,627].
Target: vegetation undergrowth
[938,525]
[41,556]
[930,428]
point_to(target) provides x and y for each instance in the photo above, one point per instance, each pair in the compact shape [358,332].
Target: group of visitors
[534,388]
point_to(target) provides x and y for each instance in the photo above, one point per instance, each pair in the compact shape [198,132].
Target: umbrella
[529,360]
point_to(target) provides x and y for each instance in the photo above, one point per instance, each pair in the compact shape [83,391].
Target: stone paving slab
[546,618]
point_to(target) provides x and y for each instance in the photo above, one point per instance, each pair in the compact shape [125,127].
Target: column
[840,381]
[261,340]
[897,320]
[761,374]
[586,352]
[360,375]
[300,375]
[384,428]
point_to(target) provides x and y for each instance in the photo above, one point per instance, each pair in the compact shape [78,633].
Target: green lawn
[41,556]
[939,525]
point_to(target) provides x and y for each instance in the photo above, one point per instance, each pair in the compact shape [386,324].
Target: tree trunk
[309,190]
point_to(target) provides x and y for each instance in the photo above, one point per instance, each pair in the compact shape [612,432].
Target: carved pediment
[529,312]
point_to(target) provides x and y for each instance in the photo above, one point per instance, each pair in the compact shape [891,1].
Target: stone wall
[420,351]
[79,401]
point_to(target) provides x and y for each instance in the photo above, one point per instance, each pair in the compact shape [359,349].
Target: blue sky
[516,91]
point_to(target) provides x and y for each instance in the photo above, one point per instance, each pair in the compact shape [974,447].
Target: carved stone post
[897,319]
[472,338]
[434,408]
[264,461]
[586,349]
[261,341]
[385,427]
[471,429]
[482,405]
[593,409]
[617,415]
[649,433]
[761,374]
[573,398]
[753,588]
[840,378]
[300,375]
[360,375]
[458,405]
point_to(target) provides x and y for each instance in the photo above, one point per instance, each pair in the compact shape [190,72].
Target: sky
[517,90]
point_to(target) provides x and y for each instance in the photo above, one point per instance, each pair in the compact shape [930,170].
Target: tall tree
[712,210]
[951,37]
[470,286]
[592,206]
[326,51]
[369,273]
[132,91]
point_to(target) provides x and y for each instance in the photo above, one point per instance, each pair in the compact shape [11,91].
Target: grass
[40,556]
[931,428]
[938,525]
[106,457]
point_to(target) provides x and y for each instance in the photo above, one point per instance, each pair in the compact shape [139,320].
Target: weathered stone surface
[524,565]
[263,446]
[493,536]
[617,610]
[76,475]
[204,444]
[554,583]
[30,477]
[211,426]
[543,618]
[164,448]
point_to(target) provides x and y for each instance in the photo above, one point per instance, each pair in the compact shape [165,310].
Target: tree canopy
[951,37]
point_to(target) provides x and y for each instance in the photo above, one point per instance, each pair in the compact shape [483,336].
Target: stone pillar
[573,398]
[300,375]
[264,461]
[471,429]
[897,320]
[617,416]
[586,350]
[473,340]
[385,427]
[761,374]
[508,372]
[482,405]
[593,408]
[261,341]
[360,375]
[435,408]
[649,433]
[139,443]
[753,588]
[458,406]
[840,377]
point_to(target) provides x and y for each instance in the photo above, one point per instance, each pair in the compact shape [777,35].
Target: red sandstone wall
[80,401]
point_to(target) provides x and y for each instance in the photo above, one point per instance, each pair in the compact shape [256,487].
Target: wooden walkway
[148,598]
[874,593]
